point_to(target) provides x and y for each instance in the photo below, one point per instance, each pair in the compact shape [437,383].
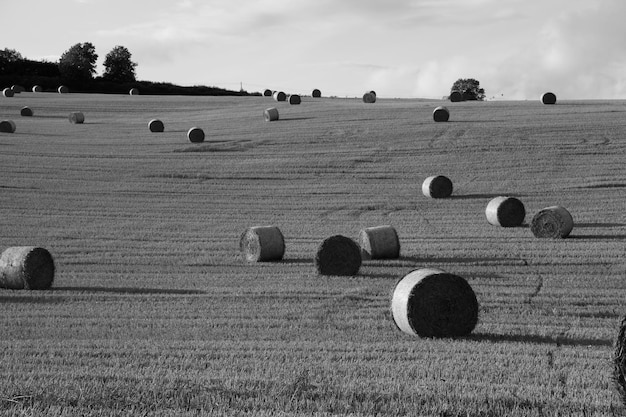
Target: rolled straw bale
[433,303]
[262,244]
[155,125]
[456,96]
[7,126]
[26,111]
[441,114]
[270,114]
[316,93]
[7,92]
[195,135]
[505,212]
[267,93]
[279,96]
[619,361]
[294,99]
[548,98]
[76,117]
[369,98]
[63,89]
[372,92]
[133,92]
[338,255]
[380,242]
[552,222]
[26,267]
[17,88]
[37,89]
[437,186]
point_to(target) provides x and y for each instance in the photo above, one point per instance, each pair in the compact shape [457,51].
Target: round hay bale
[7,126]
[294,99]
[505,212]
[380,242]
[279,96]
[262,244]
[441,114]
[267,93]
[63,89]
[195,135]
[37,89]
[316,93]
[437,186]
[270,114]
[548,98]
[619,361]
[456,96]
[155,125]
[369,98]
[17,89]
[133,92]
[433,303]
[7,92]
[372,92]
[76,117]
[26,267]
[552,222]
[26,111]
[338,255]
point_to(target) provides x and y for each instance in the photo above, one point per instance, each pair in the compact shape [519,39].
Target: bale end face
[267,93]
[438,186]
[441,114]
[26,267]
[505,212]
[279,96]
[133,92]
[316,93]
[338,255]
[380,242]
[369,98]
[7,92]
[552,222]
[7,126]
[456,97]
[271,114]
[155,125]
[26,111]
[548,98]
[37,89]
[262,244]
[63,89]
[294,99]
[77,117]
[195,135]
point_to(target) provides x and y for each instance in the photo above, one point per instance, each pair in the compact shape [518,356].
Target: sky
[516,49]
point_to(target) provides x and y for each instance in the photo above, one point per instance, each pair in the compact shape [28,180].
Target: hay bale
[372,92]
[155,125]
[7,126]
[456,96]
[380,242]
[7,92]
[619,361]
[552,222]
[26,267]
[17,89]
[369,98]
[338,255]
[437,186]
[26,111]
[76,117]
[505,212]
[441,114]
[37,89]
[63,89]
[316,93]
[270,114]
[294,99]
[267,93]
[195,135]
[262,244]
[133,92]
[279,96]
[433,303]
[548,98]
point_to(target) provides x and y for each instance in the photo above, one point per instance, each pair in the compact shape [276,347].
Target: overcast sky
[517,49]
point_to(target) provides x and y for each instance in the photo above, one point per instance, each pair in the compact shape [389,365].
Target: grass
[154,312]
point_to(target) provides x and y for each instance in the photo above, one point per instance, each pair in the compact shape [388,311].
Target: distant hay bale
[548,98]
[552,222]
[63,89]
[37,89]
[77,117]
[270,114]
[372,92]
[294,99]
[433,303]
[17,89]
[26,267]
[441,114]
[505,212]
[7,92]
[26,111]
[195,135]
[316,93]
[267,93]
[338,255]
[262,244]
[279,96]
[456,96]
[369,98]
[155,125]
[619,361]
[437,186]
[134,92]
[380,242]
[7,126]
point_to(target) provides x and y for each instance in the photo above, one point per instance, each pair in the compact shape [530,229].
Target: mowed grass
[154,312]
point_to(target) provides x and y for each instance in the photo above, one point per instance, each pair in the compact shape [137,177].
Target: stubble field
[154,312]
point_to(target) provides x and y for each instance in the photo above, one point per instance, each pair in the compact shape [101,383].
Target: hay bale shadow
[536,339]
[131,290]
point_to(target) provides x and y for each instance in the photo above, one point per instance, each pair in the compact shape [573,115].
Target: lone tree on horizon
[79,62]
[118,66]
[470,88]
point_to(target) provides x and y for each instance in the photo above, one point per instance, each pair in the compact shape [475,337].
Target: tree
[470,88]
[118,66]
[79,62]
[8,59]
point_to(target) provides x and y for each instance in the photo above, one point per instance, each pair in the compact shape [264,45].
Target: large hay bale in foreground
[279,96]
[7,126]
[619,361]
[380,242]
[437,186]
[505,212]
[316,93]
[37,89]
[456,96]
[441,114]
[133,91]
[7,92]
[433,303]
[76,117]
[552,222]
[26,267]
[294,99]
[267,93]
[63,89]
[262,244]
[270,114]
[548,98]
[155,125]
[369,98]
[26,111]
[338,255]
[195,135]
